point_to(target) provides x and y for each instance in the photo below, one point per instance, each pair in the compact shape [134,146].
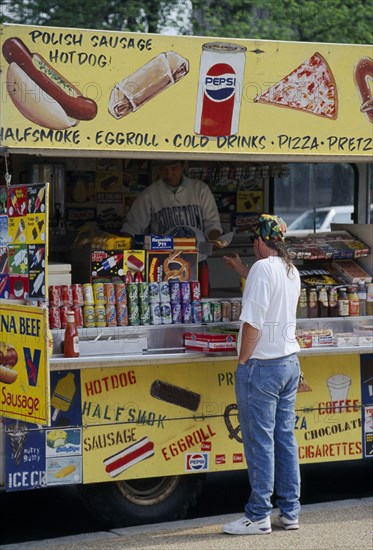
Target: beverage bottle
[353,299]
[323,305]
[343,303]
[71,341]
[203,276]
[302,308]
[312,303]
[362,293]
[369,303]
[333,302]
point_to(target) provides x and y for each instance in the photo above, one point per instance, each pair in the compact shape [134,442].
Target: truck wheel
[141,501]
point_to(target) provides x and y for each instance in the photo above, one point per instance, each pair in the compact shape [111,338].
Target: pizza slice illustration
[310,88]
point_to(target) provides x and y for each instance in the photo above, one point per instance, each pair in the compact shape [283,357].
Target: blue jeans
[266,393]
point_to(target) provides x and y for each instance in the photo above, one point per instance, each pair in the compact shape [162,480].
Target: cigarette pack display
[352,271]
[174,265]
[210,342]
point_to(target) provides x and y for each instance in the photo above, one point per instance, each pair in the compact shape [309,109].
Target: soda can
[78,298]
[144,292]
[226,311]
[216,312]
[67,295]
[54,317]
[54,296]
[186,312]
[78,314]
[155,313]
[196,312]
[89,316]
[122,315]
[88,294]
[222,68]
[111,315]
[100,315]
[166,313]
[109,292]
[175,291]
[133,314]
[133,293]
[206,312]
[185,292]
[63,314]
[98,293]
[154,296]
[235,310]
[176,313]
[164,292]
[195,291]
[120,294]
[144,313]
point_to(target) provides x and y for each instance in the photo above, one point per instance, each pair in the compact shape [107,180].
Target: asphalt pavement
[339,525]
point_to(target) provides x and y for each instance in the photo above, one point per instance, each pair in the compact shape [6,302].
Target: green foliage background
[341,21]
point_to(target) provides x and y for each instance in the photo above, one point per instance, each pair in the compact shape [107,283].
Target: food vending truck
[148,407]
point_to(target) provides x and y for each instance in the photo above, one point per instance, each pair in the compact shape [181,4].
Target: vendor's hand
[220,243]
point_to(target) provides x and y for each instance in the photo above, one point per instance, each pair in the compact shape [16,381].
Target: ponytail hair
[282,252]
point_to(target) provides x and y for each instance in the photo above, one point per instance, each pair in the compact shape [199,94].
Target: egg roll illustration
[157,75]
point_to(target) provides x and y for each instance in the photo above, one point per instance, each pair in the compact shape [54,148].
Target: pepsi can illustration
[222,68]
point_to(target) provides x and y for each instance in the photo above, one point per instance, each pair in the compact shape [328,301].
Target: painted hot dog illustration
[41,93]
[363,72]
[131,455]
[8,359]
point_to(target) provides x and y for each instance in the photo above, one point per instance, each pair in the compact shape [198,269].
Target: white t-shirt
[187,211]
[269,303]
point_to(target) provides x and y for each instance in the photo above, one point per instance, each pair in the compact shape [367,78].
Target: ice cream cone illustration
[17,437]
[21,228]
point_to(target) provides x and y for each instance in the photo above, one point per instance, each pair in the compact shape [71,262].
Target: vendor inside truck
[175,205]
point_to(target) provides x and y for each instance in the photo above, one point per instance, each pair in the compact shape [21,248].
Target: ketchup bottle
[203,277]
[71,343]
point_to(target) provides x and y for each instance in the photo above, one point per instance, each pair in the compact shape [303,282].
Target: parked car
[323,216]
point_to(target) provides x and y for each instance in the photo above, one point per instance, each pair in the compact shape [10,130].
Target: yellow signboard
[182,418]
[24,372]
[110,91]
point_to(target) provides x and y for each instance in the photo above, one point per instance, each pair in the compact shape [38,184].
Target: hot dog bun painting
[40,93]
[363,73]
[8,359]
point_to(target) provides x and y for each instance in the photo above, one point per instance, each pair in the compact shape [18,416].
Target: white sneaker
[244,526]
[288,524]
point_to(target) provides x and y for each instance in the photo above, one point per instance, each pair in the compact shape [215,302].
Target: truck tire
[141,501]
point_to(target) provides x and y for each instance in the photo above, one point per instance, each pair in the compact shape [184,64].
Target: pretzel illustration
[362,73]
[233,432]
[176,267]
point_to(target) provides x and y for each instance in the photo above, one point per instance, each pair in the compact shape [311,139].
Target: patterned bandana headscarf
[270,228]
